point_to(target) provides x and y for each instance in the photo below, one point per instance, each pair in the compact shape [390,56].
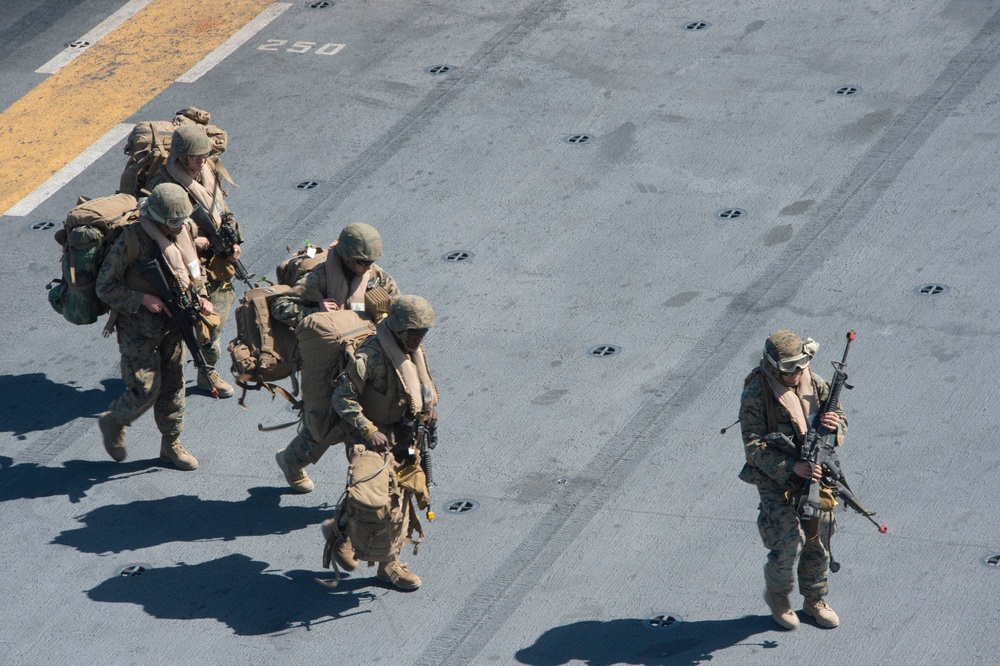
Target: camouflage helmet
[787,352]
[167,204]
[410,312]
[190,139]
[360,242]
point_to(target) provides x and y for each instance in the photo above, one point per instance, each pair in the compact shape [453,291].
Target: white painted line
[70,171]
[102,30]
[234,42]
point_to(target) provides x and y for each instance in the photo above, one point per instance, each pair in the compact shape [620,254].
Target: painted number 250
[300,47]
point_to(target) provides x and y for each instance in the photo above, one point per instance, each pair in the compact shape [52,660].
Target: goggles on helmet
[175,222]
[790,366]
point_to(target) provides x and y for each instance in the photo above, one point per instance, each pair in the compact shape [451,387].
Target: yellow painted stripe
[69,111]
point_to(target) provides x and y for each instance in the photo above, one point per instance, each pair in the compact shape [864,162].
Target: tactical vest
[387,409]
[771,405]
[137,243]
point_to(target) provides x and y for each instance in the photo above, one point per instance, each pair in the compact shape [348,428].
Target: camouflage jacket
[206,256]
[311,289]
[374,370]
[765,467]
[120,286]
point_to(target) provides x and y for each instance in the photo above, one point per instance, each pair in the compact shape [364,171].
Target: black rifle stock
[184,311]
[221,240]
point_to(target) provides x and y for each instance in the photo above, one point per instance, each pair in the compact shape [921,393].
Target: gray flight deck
[606,497]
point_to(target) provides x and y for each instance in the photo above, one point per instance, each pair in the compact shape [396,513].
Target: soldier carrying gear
[191,167]
[150,342]
[340,282]
[347,280]
[782,395]
[386,387]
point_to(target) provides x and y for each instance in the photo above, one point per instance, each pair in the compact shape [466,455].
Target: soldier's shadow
[631,641]
[73,479]
[146,523]
[238,591]
[33,402]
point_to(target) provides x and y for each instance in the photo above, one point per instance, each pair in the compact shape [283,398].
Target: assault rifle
[819,448]
[222,240]
[184,311]
[818,438]
[427,442]
[833,475]
[422,438]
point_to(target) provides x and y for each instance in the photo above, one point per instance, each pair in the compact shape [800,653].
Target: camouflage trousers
[781,532]
[222,302]
[153,371]
[305,450]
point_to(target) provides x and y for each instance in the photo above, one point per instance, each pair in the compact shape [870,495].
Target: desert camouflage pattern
[374,369]
[220,291]
[771,471]
[360,241]
[291,310]
[190,139]
[766,467]
[782,535]
[152,351]
[222,304]
[410,312]
[167,201]
[783,344]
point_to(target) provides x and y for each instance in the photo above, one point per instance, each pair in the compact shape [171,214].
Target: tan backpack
[148,147]
[263,351]
[375,512]
[292,269]
[326,343]
[90,229]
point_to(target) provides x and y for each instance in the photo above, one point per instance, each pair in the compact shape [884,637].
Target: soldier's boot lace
[208,380]
[343,552]
[819,611]
[172,452]
[781,609]
[113,435]
[295,475]
[395,572]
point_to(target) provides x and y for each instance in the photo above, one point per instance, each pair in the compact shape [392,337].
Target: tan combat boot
[113,435]
[343,552]
[211,380]
[172,452]
[395,572]
[781,609]
[819,611]
[294,474]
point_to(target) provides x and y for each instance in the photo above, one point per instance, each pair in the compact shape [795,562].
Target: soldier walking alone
[782,395]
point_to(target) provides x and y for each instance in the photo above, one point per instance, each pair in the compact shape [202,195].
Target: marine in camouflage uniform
[191,167]
[780,478]
[354,255]
[372,400]
[357,249]
[152,350]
